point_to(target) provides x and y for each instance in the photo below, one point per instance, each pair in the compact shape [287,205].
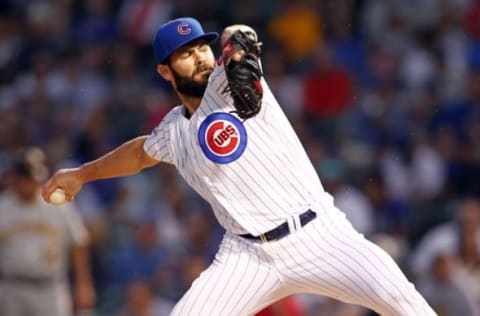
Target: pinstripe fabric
[271,180]
[240,281]
[326,257]
[269,183]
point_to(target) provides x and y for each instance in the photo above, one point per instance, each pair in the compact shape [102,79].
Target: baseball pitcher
[231,141]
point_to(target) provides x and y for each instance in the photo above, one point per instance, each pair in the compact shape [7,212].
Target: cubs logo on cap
[184,28]
[222,137]
[177,33]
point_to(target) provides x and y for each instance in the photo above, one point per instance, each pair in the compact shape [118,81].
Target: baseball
[57,197]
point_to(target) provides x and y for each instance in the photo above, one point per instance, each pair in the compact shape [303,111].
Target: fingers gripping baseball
[62,187]
[57,197]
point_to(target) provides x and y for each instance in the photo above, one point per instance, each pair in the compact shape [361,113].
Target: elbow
[142,158]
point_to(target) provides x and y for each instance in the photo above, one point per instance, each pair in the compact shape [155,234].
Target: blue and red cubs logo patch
[222,137]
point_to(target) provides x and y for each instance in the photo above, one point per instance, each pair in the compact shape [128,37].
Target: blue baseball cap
[177,33]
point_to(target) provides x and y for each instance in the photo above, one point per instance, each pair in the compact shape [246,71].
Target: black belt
[282,230]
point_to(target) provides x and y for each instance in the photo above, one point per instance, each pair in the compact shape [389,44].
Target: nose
[200,57]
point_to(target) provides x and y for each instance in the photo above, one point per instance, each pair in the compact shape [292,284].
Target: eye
[186,54]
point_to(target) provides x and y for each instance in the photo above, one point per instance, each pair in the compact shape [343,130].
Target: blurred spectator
[202,237]
[289,306]
[419,65]
[416,160]
[346,197]
[140,301]
[298,28]
[392,245]
[462,121]
[285,86]
[73,87]
[327,88]
[443,290]
[40,243]
[381,21]
[139,19]
[193,265]
[469,267]
[446,238]
[42,32]
[391,215]
[98,24]
[138,256]
[472,19]
[453,48]
[345,39]
[10,46]
[34,82]
[328,307]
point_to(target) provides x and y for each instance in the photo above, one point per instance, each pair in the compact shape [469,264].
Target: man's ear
[165,72]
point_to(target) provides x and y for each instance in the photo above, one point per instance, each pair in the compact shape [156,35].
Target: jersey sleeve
[157,143]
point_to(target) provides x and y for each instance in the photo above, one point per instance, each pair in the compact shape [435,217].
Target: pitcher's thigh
[340,263]
[237,286]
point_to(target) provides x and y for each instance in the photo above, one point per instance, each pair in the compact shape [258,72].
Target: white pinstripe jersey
[255,173]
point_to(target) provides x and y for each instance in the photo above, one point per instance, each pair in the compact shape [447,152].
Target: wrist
[85,173]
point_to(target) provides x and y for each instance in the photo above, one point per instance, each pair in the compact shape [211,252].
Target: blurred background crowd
[385,96]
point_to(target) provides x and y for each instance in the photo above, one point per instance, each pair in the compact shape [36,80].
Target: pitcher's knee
[403,303]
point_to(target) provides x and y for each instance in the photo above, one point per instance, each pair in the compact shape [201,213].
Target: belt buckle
[263,238]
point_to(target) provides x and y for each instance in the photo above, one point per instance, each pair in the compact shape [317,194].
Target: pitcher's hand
[69,180]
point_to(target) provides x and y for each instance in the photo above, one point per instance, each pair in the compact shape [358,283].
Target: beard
[188,86]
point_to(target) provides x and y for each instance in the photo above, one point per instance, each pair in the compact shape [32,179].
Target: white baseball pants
[326,257]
